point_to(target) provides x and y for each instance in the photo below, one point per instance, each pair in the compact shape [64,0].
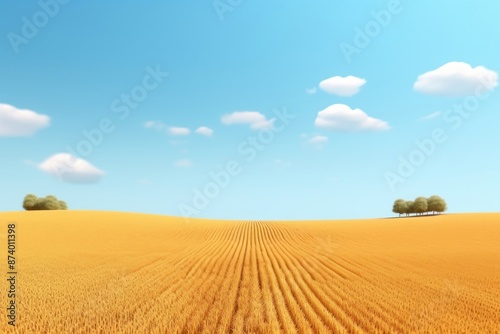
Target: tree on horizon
[420,205]
[400,207]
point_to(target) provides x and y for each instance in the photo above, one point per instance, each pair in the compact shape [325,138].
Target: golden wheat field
[108,272]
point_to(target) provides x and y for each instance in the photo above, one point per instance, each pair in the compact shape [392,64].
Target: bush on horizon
[31,202]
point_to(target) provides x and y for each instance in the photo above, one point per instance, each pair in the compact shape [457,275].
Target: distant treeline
[419,206]
[31,202]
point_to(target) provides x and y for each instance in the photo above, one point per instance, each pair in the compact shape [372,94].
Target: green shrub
[31,202]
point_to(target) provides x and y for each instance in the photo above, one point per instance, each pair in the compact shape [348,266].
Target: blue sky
[177,93]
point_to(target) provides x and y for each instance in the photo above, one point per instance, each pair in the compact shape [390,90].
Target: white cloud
[318,140]
[20,122]
[183,163]
[311,91]
[71,169]
[431,116]
[171,130]
[457,79]
[342,86]
[204,131]
[253,118]
[340,117]
[178,131]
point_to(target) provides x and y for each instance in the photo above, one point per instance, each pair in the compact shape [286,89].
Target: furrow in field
[196,295]
[240,306]
[276,299]
[265,281]
[151,290]
[349,318]
[181,295]
[283,289]
[210,312]
[333,316]
[307,304]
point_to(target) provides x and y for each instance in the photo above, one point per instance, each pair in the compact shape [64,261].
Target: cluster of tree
[419,206]
[31,202]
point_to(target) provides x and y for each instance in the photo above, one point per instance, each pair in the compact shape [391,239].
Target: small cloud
[431,116]
[183,163]
[342,86]
[340,117]
[456,79]
[304,135]
[171,130]
[255,119]
[204,131]
[70,169]
[20,122]
[318,140]
[178,131]
[311,91]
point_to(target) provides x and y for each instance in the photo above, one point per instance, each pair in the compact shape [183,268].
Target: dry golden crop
[105,272]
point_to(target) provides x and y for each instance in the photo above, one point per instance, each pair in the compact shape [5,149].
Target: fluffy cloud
[171,130]
[457,79]
[177,131]
[342,86]
[20,122]
[340,117]
[253,118]
[204,131]
[318,140]
[70,169]
[183,163]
